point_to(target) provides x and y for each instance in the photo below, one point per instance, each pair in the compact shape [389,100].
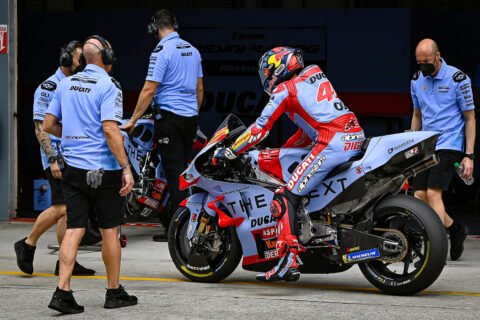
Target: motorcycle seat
[345,166]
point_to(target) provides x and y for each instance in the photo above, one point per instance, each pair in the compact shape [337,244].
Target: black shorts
[56,187]
[441,175]
[105,201]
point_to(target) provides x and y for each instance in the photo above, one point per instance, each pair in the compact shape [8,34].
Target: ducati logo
[310,174]
[299,171]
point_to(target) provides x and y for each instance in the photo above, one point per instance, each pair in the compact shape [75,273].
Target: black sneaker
[458,234]
[118,298]
[78,270]
[25,254]
[64,302]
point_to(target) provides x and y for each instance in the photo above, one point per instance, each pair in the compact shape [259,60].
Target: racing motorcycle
[149,196]
[355,216]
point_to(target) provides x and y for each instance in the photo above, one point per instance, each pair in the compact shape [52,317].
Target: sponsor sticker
[406,143]
[242,140]
[352,123]
[220,135]
[299,171]
[352,146]
[310,174]
[271,254]
[361,255]
[266,242]
[412,152]
[353,136]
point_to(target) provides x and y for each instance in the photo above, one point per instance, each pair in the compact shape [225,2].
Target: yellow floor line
[278,284]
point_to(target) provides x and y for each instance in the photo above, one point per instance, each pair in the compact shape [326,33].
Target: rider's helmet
[278,65]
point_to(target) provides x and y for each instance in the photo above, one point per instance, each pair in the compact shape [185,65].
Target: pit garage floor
[163,293]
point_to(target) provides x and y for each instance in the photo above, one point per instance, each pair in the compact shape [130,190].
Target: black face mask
[426,69]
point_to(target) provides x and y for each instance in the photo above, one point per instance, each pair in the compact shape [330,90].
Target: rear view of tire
[211,257]
[426,249]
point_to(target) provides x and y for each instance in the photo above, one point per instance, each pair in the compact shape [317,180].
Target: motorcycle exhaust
[433,161]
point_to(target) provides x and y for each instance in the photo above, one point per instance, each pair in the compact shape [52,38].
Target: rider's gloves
[223,153]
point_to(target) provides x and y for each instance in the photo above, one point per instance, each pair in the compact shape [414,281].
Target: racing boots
[283,208]
[287,267]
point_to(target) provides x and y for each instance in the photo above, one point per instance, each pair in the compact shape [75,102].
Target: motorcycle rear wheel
[208,267]
[426,252]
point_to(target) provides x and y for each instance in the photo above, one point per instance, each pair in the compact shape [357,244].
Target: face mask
[426,69]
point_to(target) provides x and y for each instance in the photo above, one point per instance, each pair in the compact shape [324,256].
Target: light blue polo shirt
[41,99]
[82,102]
[176,65]
[442,100]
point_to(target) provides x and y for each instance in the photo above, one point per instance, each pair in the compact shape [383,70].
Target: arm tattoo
[44,139]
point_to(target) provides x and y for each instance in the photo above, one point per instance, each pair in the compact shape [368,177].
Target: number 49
[325,91]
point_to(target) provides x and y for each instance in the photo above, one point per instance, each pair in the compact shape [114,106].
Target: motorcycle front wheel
[420,230]
[210,256]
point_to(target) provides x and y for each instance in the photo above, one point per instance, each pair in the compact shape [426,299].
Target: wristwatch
[471,156]
[52,159]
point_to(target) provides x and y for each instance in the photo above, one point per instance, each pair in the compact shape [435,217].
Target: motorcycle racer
[326,127]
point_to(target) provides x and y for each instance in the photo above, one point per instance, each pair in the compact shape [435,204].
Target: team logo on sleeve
[116,83]
[459,76]
[158,48]
[49,85]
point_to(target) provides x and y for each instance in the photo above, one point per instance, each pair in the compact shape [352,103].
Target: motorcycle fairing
[278,163]
[379,151]
[241,201]
[256,233]
[139,142]
[382,149]
[196,204]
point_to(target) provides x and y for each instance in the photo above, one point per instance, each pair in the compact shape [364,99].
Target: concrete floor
[164,294]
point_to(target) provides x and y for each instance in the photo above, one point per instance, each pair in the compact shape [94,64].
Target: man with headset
[85,111]
[174,84]
[49,150]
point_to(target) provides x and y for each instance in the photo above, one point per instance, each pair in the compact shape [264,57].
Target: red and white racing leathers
[325,124]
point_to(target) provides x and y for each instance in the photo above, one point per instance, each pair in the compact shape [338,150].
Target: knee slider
[278,206]
[283,201]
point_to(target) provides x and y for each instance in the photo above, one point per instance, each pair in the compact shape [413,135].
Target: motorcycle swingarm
[359,246]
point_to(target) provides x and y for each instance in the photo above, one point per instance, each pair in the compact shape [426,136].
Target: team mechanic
[49,151]
[443,101]
[326,126]
[175,83]
[97,174]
